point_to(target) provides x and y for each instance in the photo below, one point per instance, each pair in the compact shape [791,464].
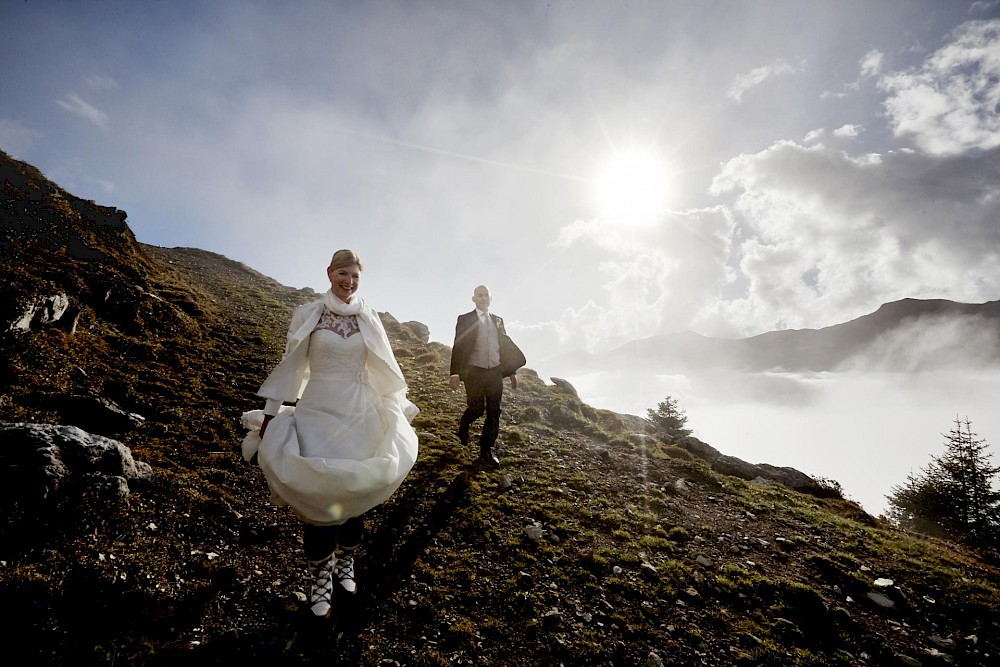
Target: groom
[481,357]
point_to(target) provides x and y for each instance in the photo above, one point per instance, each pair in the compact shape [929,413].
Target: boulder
[96,414]
[790,477]
[565,386]
[420,330]
[46,310]
[702,450]
[44,462]
[730,465]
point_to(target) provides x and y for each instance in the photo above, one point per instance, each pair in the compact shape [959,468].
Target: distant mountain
[905,335]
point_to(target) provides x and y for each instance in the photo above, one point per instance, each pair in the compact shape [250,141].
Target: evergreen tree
[668,420]
[956,495]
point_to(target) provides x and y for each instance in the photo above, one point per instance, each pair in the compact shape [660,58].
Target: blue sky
[799,163]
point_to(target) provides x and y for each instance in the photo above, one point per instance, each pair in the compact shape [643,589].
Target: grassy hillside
[197,566]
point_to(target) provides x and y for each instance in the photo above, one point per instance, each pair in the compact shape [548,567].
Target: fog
[864,430]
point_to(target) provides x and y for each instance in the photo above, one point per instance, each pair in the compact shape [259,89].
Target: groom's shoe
[488,459]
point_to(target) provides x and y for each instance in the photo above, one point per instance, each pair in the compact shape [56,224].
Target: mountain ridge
[893,337]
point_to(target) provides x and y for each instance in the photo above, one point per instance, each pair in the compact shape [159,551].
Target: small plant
[668,420]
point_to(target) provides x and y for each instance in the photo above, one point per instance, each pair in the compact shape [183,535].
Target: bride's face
[344,281]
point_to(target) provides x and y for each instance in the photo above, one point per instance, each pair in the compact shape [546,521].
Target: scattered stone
[789,627]
[908,660]
[616,569]
[552,617]
[842,613]
[942,642]
[534,531]
[704,561]
[881,581]
[654,660]
[506,482]
[880,600]
[682,486]
[785,544]
[939,656]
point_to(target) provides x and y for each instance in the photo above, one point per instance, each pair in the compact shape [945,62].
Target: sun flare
[632,189]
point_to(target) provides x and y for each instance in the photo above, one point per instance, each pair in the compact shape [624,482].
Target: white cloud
[848,131]
[829,236]
[813,136]
[78,107]
[744,82]
[871,64]
[951,103]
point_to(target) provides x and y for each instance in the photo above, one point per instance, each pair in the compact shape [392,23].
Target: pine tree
[668,419]
[956,495]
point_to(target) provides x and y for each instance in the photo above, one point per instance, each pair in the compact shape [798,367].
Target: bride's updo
[343,258]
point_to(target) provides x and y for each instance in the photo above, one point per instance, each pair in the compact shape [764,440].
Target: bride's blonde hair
[343,258]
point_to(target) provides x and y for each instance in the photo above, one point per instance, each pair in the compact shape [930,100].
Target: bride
[347,444]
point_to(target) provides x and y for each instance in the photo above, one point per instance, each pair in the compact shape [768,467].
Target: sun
[632,189]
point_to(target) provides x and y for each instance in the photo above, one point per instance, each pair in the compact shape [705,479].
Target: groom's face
[481,297]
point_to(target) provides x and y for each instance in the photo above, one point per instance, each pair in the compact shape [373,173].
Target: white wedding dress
[342,449]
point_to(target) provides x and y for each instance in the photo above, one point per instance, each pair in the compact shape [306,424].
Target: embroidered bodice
[336,346]
[345,325]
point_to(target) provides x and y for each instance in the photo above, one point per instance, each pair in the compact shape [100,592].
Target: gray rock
[942,642]
[790,477]
[420,330]
[880,600]
[93,414]
[44,310]
[700,449]
[654,660]
[565,386]
[730,465]
[40,462]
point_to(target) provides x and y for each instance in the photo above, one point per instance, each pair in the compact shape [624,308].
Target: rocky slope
[593,545]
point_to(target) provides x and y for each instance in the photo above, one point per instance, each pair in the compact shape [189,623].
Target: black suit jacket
[511,357]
